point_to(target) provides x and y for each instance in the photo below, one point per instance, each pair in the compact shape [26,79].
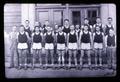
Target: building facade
[16,14]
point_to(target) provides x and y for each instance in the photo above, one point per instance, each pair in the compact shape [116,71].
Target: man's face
[72,27]
[37,29]
[27,23]
[66,23]
[109,21]
[97,28]
[85,28]
[56,27]
[21,28]
[46,23]
[14,28]
[36,23]
[86,21]
[77,26]
[98,20]
[60,29]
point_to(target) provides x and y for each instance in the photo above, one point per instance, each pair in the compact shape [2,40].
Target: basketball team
[63,46]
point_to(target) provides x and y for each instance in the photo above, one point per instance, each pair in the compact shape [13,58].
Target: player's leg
[108,52]
[89,58]
[25,58]
[70,55]
[75,56]
[20,58]
[40,56]
[15,59]
[81,57]
[33,58]
[59,57]
[113,58]
[12,58]
[96,57]
[63,58]
[46,58]
[100,57]
[52,56]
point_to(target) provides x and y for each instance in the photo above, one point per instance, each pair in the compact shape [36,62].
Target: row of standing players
[67,39]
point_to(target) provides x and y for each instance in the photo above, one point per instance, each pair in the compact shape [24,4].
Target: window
[76,17]
[58,17]
[43,15]
[92,14]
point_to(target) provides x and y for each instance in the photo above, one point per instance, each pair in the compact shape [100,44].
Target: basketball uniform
[37,39]
[49,41]
[98,40]
[22,41]
[100,25]
[89,28]
[29,31]
[66,30]
[60,41]
[85,40]
[111,41]
[108,28]
[78,32]
[72,41]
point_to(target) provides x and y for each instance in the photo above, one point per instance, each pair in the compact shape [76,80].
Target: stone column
[108,10]
[28,13]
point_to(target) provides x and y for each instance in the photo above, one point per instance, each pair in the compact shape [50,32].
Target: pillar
[108,10]
[28,13]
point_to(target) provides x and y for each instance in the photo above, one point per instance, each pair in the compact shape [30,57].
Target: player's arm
[32,37]
[67,39]
[91,39]
[91,28]
[56,37]
[103,40]
[42,38]
[80,38]
[94,28]
[17,37]
[27,36]
[115,41]
[77,39]
[106,40]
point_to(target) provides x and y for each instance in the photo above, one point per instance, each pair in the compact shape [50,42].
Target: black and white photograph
[54,40]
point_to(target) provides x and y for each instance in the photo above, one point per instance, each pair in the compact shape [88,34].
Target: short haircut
[35,28]
[66,20]
[60,26]
[85,18]
[86,25]
[27,21]
[22,26]
[98,18]
[109,18]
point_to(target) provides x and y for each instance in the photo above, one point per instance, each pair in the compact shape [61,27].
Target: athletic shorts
[49,46]
[36,46]
[72,45]
[98,45]
[85,46]
[22,46]
[61,46]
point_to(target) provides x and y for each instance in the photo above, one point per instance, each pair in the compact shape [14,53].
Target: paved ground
[50,73]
